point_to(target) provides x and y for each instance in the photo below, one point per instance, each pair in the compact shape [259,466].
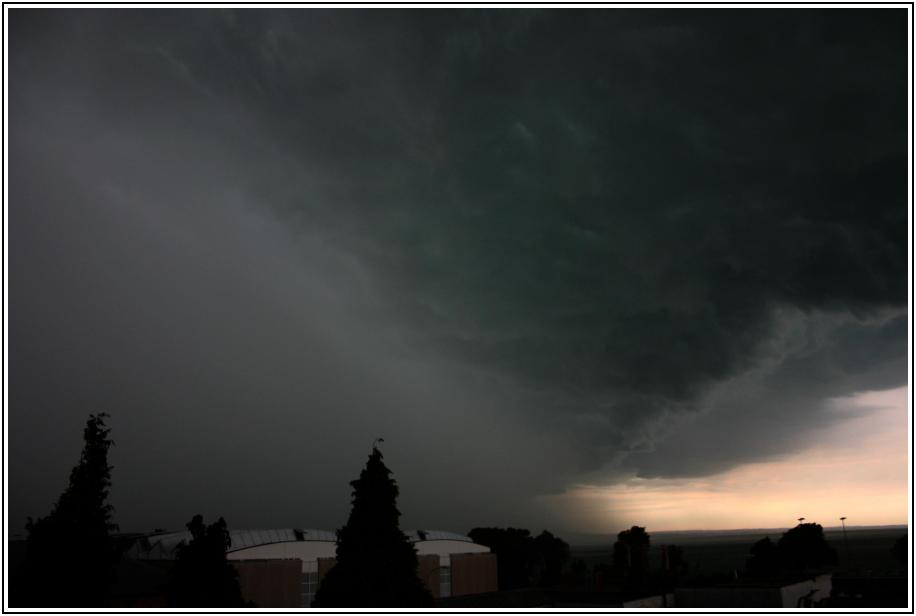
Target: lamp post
[845,543]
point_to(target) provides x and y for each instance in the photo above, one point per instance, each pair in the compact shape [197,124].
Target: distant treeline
[524,561]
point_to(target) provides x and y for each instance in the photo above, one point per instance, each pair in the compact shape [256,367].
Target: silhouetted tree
[70,553]
[635,542]
[805,547]
[621,556]
[799,549]
[376,562]
[764,559]
[676,561]
[202,576]
[523,560]
[514,549]
[553,553]
[578,573]
[674,566]
[631,555]
[602,575]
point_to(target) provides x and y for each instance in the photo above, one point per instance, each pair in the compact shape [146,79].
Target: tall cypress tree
[70,553]
[376,562]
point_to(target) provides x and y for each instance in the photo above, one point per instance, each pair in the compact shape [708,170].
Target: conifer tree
[376,562]
[70,553]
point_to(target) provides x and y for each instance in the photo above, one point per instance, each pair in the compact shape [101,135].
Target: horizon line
[756,528]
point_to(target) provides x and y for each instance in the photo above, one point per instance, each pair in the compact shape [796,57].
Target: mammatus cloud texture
[529,248]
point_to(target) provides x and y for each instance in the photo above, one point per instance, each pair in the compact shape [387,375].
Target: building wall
[666,600]
[454,574]
[473,573]
[270,583]
[306,551]
[265,569]
[815,589]
[310,551]
[445,547]
[428,570]
[325,565]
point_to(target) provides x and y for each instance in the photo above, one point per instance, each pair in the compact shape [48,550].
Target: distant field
[866,551]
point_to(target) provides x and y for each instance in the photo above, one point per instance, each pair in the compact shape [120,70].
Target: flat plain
[864,551]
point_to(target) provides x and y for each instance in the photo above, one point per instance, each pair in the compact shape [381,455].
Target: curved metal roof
[435,535]
[164,545]
[242,539]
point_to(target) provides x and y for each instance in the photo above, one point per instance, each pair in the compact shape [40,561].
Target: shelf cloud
[530,249]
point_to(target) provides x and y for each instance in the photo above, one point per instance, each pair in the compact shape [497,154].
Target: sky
[579,269]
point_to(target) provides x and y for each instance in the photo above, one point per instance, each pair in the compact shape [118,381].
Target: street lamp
[845,543]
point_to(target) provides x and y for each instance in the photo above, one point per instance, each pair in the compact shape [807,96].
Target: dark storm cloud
[538,246]
[787,401]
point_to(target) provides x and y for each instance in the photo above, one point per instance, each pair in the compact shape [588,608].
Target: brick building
[284,567]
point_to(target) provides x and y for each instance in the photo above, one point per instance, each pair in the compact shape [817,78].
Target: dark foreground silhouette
[524,561]
[376,563]
[202,577]
[77,538]
[70,554]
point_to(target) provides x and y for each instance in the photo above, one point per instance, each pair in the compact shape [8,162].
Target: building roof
[164,545]
[435,535]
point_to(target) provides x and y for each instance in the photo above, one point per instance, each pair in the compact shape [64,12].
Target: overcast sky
[541,253]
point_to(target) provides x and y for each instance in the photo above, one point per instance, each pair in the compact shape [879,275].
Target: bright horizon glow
[858,470]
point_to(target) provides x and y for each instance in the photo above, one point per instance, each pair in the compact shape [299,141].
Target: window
[445,581]
[309,586]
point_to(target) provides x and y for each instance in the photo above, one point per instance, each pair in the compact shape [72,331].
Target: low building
[284,567]
[805,592]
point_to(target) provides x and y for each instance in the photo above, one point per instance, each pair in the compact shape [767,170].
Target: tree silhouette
[764,558]
[798,550]
[70,553]
[376,562]
[523,560]
[202,576]
[553,553]
[676,561]
[514,549]
[578,573]
[805,547]
[631,556]
[632,549]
